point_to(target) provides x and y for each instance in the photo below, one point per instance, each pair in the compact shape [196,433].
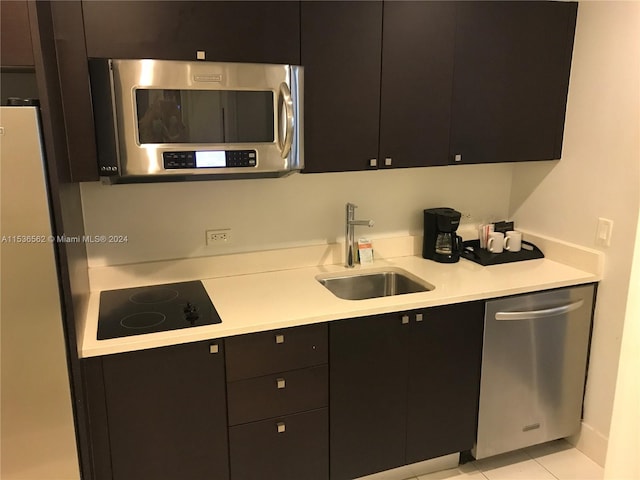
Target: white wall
[168,220]
[597,177]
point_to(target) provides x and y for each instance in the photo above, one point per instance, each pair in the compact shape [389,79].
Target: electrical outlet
[219,237]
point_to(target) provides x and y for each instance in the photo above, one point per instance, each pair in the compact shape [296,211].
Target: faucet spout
[349,240]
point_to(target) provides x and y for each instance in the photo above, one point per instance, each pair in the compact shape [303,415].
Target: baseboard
[592,443]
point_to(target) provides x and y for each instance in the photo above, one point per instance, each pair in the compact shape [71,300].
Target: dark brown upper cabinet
[378,80]
[341,53]
[512,64]
[417,74]
[15,37]
[261,32]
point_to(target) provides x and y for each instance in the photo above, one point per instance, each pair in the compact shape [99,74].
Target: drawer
[263,353]
[293,447]
[278,394]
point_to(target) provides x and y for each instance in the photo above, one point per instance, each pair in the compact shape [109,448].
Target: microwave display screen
[204,116]
[211,159]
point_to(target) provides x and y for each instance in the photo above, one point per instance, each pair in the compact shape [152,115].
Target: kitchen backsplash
[148,222]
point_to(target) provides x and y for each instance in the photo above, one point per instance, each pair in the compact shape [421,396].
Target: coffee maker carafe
[440,241]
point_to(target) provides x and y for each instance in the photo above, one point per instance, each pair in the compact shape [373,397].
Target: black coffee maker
[440,241]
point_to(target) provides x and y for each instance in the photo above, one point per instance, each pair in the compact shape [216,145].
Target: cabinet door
[15,36]
[167,413]
[512,63]
[73,74]
[262,32]
[444,380]
[417,78]
[367,395]
[340,50]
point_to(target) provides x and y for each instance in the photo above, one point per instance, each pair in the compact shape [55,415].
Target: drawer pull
[418,317]
[213,348]
[280,427]
[405,319]
[280,382]
[279,338]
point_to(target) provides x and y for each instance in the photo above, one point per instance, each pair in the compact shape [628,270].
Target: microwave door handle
[285,100]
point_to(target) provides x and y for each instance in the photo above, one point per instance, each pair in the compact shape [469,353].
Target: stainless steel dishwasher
[534,361]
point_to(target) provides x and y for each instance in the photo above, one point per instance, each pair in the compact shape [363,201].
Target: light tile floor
[556,460]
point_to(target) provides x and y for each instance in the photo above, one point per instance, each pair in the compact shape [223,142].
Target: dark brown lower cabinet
[292,447]
[277,392]
[165,414]
[445,351]
[367,395]
[403,387]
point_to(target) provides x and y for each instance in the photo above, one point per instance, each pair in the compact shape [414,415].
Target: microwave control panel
[209,159]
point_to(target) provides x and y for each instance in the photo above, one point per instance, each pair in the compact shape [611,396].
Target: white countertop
[253,302]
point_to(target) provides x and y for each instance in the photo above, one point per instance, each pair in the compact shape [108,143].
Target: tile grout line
[553,474]
[536,460]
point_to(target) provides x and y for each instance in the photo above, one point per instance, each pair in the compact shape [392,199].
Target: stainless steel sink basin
[373,284]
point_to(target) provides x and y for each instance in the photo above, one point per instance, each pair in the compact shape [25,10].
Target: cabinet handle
[280,383]
[280,427]
[457,157]
[373,162]
[280,338]
[200,55]
[214,348]
[418,317]
[388,161]
[405,319]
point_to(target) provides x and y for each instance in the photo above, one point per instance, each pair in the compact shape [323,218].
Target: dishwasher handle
[534,314]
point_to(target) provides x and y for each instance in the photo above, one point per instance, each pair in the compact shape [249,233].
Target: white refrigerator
[37,438]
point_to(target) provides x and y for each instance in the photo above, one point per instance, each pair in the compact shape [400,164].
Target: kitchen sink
[373,284]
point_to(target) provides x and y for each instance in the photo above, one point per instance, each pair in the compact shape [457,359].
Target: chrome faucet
[349,237]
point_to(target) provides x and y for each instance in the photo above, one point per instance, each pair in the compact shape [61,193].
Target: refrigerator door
[533,369]
[37,432]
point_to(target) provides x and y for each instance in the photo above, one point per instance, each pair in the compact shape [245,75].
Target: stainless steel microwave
[159,120]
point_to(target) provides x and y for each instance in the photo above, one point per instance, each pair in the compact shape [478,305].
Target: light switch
[603,232]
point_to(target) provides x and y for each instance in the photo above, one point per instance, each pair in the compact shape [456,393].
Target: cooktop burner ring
[142,320]
[154,295]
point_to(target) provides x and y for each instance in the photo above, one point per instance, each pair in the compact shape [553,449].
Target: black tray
[471,251]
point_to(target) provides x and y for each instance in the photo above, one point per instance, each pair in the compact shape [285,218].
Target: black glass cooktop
[156,308]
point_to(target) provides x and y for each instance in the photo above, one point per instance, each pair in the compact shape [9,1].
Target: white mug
[495,244]
[513,241]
